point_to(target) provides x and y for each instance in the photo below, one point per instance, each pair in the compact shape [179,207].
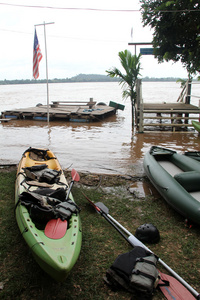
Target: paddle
[75,177]
[133,241]
[56,228]
[173,290]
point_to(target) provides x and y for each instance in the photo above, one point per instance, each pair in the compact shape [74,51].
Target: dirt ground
[137,185]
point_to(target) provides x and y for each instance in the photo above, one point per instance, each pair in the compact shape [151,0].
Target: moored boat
[176,177]
[46,213]
[196,125]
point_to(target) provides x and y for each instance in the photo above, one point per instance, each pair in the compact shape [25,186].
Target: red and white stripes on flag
[37,56]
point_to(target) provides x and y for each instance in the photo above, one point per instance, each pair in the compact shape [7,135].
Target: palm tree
[132,66]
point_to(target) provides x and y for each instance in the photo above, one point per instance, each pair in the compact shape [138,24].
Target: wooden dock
[65,111]
[165,116]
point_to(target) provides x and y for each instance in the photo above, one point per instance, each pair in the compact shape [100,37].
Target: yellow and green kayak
[46,213]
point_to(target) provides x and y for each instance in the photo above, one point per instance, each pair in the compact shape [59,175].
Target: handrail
[183,93]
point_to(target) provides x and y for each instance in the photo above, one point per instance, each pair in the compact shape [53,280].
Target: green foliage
[131,65]
[176,30]
[182,82]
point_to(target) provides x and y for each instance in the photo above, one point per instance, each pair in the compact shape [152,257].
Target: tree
[176,27]
[132,66]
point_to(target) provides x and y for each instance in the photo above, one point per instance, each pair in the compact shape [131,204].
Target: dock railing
[91,103]
[178,113]
[190,95]
[185,93]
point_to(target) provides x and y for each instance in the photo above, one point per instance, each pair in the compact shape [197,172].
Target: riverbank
[83,78]
[21,277]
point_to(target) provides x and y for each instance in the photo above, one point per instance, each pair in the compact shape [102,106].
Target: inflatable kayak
[176,177]
[47,216]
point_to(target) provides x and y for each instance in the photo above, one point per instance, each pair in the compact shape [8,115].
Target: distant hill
[92,78]
[80,78]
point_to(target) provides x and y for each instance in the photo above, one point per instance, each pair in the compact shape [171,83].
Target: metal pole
[46,66]
[46,74]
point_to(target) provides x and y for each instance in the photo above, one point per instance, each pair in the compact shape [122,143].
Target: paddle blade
[75,175]
[55,229]
[102,207]
[175,290]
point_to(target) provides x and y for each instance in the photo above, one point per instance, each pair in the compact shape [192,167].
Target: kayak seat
[185,163]
[190,180]
[42,173]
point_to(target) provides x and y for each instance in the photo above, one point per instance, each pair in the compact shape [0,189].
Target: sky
[85,37]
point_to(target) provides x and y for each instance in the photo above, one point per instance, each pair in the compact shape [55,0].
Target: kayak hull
[55,256]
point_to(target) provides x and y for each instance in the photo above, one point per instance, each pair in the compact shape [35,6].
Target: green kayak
[176,177]
[193,154]
[196,125]
[48,220]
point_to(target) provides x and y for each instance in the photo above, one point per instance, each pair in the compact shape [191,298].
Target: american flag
[37,56]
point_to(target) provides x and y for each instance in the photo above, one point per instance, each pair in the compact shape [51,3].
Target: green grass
[23,279]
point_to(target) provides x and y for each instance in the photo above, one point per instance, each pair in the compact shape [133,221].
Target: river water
[108,147]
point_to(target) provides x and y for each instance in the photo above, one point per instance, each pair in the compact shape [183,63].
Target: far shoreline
[84,78]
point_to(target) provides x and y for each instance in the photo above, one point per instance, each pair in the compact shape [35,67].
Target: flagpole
[46,73]
[44,24]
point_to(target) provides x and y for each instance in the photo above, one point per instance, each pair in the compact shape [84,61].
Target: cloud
[80,41]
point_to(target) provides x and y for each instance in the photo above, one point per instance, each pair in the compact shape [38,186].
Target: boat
[46,213]
[176,177]
[196,125]
[193,154]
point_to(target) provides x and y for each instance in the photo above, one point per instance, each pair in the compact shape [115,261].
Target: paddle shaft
[69,190]
[115,226]
[75,177]
[107,217]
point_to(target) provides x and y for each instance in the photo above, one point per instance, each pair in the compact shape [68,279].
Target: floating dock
[66,111]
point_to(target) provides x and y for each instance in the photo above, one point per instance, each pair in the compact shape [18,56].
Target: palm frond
[131,65]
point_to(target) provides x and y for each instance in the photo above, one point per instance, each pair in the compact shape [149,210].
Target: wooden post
[188,92]
[137,104]
[140,100]
[90,105]
[199,106]
[188,97]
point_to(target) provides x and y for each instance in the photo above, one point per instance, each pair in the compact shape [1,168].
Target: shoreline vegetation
[82,78]
[22,278]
